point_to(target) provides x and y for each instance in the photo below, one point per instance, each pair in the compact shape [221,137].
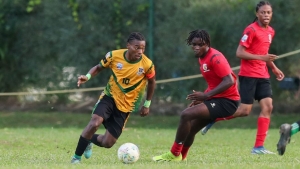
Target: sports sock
[76,156]
[262,129]
[95,141]
[184,151]
[295,128]
[176,148]
[224,118]
[81,146]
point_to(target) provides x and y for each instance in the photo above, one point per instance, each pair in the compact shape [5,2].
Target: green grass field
[48,140]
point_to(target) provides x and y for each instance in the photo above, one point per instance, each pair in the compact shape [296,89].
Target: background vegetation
[45,44]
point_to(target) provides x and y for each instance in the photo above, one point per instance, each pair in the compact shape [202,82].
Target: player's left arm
[222,69]
[226,82]
[150,75]
[277,72]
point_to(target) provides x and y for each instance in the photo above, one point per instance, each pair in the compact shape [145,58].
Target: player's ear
[128,45]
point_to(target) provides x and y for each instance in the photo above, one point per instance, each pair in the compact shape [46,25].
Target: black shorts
[114,119]
[254,88]
[221,107]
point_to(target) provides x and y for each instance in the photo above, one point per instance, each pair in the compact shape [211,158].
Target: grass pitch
[43,140]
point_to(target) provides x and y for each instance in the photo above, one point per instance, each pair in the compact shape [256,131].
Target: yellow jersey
[128,81]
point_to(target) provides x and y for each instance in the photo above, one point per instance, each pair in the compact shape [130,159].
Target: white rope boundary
[101,88]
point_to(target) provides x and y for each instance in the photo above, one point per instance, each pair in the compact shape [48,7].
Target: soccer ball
[128,153]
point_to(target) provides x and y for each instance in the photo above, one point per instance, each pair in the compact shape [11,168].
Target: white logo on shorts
[213,105]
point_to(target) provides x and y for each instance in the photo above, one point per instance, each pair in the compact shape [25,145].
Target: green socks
[76,156]
[295,128]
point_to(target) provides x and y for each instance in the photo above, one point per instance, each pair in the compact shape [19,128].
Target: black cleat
[285,137]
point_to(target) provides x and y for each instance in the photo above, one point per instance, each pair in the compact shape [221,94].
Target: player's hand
[81,79]
[144,111]
[269,58]
[194,103]
[278,73]
[197,96]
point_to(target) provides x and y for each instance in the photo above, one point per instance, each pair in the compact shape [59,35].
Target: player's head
[136,44]
[263,12]
[200,42]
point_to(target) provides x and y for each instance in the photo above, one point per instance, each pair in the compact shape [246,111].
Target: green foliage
[32,4]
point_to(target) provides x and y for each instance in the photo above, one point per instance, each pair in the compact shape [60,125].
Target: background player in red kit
[254,78]
[220,99]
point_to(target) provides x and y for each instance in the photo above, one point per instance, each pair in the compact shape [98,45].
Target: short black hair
[199,33]
[260,4]
[136,36]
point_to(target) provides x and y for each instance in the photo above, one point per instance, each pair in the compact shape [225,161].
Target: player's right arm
[95,70]
[243,54]
[92,72]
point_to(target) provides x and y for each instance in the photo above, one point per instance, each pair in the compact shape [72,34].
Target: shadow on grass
[78,120]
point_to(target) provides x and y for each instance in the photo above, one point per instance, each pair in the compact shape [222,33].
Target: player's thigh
[104,107]
[221,107]
[198,111]
[116,123]
[243,110]
[263,89]
[247,89]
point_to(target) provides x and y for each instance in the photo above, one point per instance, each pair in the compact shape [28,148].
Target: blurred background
[46,44]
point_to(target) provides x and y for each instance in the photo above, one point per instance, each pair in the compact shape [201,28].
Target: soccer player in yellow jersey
[132,72]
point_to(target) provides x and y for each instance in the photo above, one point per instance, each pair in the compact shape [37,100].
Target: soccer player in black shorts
[132,72]
[219,100]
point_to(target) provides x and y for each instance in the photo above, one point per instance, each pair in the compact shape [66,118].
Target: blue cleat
[88,151]
[206,128]
[75,160]
[260,150]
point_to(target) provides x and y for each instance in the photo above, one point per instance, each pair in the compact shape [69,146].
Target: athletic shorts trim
[254,89]
[114,119]
[221,107]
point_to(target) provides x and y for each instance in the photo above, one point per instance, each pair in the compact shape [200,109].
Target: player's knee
[94,124]
[243,112]
[184,115]
[267,108]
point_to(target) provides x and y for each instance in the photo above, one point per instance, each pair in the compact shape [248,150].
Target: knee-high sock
[262,130]
[295,128]
[184,151]
[81,146]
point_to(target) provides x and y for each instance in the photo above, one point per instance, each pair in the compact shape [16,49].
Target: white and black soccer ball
[128,153]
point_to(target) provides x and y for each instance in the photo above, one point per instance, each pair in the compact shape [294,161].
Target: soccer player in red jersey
[220,99]
[254,78]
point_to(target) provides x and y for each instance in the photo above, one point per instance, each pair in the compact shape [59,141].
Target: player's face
[264,14]
[199,47]
[135,49]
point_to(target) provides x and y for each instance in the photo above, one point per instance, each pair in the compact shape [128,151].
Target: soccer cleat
[88,151]
[206,128]
[75,160]
[167,157]
[260,150]
[285,137]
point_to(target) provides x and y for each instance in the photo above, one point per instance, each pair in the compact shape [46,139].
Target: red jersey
[214,66]
[256,40]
